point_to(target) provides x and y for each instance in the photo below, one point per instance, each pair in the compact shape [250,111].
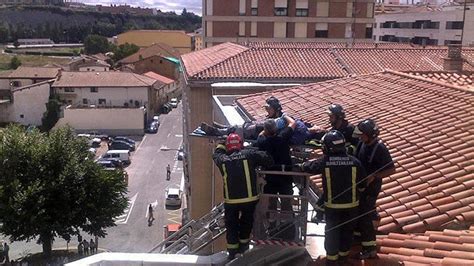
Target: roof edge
[33,85]
[406,75]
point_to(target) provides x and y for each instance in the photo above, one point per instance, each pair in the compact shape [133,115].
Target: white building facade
[442,26]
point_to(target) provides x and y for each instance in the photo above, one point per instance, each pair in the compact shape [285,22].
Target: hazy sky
[163,5]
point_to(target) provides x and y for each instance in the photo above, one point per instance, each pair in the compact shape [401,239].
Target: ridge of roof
[33,85]
[445,84]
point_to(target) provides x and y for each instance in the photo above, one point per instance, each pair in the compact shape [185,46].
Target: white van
[123,155]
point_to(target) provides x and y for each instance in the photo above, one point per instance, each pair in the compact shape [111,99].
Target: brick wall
[359,30]
[225,8]
[337,9]
[157,65]
[312,9]
[311,30]
[290,29]
[336,30]
[265,8]
[225,29]
[361,10]
[265,29]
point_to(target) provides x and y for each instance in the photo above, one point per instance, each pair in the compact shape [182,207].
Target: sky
[164,5]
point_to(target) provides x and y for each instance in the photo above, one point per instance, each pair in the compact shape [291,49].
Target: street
[147,184]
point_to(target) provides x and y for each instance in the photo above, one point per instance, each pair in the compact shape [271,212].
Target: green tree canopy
[94,44]
[124,50]
[15,62]
[50,186]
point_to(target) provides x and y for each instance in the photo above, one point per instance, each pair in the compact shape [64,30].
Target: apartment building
[427,25]
[284,20]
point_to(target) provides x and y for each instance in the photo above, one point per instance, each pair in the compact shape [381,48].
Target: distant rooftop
[102,79]
[35,72]
[308,62]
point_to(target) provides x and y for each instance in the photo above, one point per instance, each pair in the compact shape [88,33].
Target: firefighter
[337,118]
[343,179]
[376,159]
[237,167]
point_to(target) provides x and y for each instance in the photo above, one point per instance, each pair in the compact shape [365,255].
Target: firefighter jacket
[343,178]
[238,172]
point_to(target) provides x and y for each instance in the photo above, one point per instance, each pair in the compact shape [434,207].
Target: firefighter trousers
[238,223]
[365,223]
[339,231]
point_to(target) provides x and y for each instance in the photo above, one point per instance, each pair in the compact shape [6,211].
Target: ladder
[195,235]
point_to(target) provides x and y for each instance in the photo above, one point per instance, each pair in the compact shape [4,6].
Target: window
[349,31]
[94,89]
[447,42]
[84,101]
[301,30]
[254,8]
[241,28]
[301,8]
[279,30]
[242,7]
[68,89]
[253,29]
[15,84]
[454,25]
[102,101]
[300,12]
[209,28]
[349,10]
[321,30]
[322,9]
[281,11]
[368,32]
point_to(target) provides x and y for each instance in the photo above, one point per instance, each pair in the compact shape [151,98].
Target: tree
[124,50]
[50,186]
[94,44]
[15,62]
[51,116]
[4,34]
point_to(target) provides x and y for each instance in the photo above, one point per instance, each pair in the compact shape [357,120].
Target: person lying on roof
[302,131]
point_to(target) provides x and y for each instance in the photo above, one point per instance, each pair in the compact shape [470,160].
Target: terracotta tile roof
[331,45]
[158,77]
[160,49]
[201,60]
[307,62]
[464,79]
[102,79]
[449,247]
[428,128]
[35,72]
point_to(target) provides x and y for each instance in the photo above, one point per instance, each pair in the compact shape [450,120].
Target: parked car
[120,145]
[110,162]
[173,102]
[173,197]
[125,139]
[153,127]
[123,155]
[180,155]
[166,108]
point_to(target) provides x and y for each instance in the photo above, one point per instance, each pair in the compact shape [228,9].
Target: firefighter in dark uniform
[337,118]
[237,167]
[378,163]
[343,179]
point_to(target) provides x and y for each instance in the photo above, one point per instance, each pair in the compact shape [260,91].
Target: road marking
[141,142]
[128,210]
[179,135]
[153,205]
[169,134]
[174,216]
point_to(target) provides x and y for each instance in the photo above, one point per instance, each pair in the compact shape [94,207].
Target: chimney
[454,61]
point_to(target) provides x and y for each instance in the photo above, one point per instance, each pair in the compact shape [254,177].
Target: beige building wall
[113,96]
[127,121]
[29,104]
[94,68]
[144,38]
[442,35]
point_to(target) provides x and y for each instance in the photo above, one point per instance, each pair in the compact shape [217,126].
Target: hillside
[65,25]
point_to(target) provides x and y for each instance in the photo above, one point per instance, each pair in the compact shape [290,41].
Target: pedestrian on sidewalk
[150,215]
[86,247]
[96,243]
[80,249]
[6,248]
[168,172]
[92,246]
